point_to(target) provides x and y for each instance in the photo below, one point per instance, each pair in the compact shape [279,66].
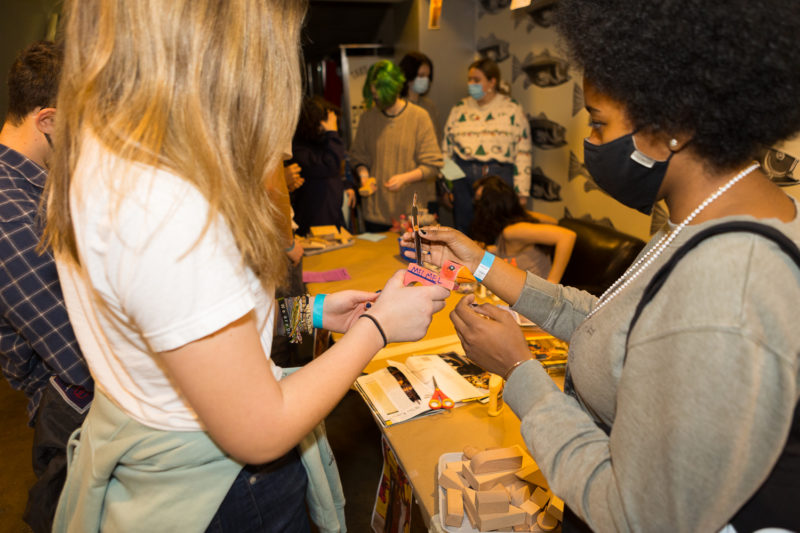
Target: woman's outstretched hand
[405,313]
[490,336]
[341,309]
[441,243]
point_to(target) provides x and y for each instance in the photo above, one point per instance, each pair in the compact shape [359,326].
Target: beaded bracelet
[296,314]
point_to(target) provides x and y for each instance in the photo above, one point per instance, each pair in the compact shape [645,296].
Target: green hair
[388,80]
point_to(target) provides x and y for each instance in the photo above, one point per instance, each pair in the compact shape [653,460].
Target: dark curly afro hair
[726,72]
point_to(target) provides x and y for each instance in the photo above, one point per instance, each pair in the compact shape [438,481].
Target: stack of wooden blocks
[497,492]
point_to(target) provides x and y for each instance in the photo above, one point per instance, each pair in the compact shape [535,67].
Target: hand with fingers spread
[490,336]
[341,309]
[405,313]
[441,243]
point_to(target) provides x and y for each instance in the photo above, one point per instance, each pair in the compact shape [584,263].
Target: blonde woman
[172,116]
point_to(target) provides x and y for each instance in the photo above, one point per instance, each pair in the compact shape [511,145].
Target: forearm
[414,175]
[558,309]
[504,280]
[309,394]
[561,255]
[249,414]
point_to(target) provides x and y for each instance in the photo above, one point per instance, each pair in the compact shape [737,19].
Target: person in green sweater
[396,145]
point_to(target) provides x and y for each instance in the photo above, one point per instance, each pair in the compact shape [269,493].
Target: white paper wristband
[483,268]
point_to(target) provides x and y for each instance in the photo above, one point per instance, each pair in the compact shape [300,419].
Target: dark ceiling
[330,23]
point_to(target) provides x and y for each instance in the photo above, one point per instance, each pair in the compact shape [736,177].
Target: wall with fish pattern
[525,46]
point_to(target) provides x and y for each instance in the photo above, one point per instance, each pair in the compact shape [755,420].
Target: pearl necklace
[647,259]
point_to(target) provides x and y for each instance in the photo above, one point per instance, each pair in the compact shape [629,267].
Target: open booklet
[401,392]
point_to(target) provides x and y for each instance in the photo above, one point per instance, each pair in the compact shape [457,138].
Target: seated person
[518,235]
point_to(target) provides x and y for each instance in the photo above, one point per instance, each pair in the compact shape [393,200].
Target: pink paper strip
[337,274]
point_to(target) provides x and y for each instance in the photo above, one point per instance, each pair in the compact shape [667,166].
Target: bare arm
[227,380]
[541,217]
[561,238]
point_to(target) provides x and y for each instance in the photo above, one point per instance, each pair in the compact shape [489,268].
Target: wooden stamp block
[497,460]
[492,501]
[514,517]
[519,493]
[531,510]
[486,481]
[450,479]
[470,451]
[540,497]
[454,507]
[546,521]
[531,474]
[469,507]
[455,465]
[555,508]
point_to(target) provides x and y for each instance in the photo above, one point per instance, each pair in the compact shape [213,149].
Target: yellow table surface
[370,265]
[418,443]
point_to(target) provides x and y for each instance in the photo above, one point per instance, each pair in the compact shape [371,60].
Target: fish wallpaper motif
[525,45]
[550,91]
[493,48]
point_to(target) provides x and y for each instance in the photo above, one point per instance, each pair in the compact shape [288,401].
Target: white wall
[451,48]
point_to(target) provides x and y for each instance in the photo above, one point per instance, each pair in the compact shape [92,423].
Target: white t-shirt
[165,288]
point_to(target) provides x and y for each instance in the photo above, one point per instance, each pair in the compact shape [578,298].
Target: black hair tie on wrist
[380,329]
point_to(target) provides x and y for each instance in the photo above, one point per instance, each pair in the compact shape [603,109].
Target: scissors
[439,400]
[415,224]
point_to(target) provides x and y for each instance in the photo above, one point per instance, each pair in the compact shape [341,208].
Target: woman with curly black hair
[680,415]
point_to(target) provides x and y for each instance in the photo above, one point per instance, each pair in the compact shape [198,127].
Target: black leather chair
[601,254]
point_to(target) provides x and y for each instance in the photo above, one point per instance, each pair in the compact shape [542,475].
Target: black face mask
[626,174]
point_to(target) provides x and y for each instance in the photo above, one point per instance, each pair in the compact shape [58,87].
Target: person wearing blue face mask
[418,70]
[485,134]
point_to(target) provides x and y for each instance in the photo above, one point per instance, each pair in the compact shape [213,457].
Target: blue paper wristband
[483,268]
[316,315]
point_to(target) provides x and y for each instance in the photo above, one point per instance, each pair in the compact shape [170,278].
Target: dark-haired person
[418,70]
[319,151]
[395,144]
[531,241]
[486,134]
[688,421]
[38,351]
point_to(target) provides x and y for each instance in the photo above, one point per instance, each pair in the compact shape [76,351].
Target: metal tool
[415,225]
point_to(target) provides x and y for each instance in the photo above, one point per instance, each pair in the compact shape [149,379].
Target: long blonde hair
[207,89]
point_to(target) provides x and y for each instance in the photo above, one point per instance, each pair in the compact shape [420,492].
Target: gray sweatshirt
[701,408]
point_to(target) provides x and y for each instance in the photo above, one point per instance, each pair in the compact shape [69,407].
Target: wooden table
[419,443]
[370,265]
